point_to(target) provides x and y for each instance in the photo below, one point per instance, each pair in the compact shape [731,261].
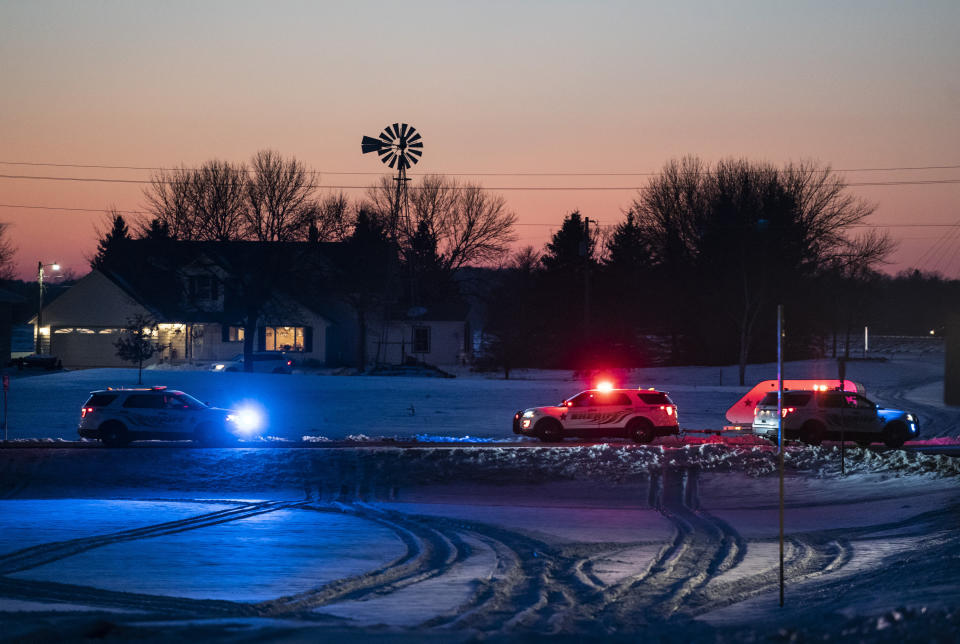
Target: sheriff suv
[813,416]
[639,414]
[118,416]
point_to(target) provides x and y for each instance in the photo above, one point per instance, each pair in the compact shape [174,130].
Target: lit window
[421,339]
[235,334]
[283,338]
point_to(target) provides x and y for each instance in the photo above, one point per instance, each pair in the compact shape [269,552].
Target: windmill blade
[387,136]
[418,144]
[396,129]
[393,161]
[388,157]
[414,136]
[403,165]
[384,151]
[370,144]
[411,161]
[416,154]
[403,130]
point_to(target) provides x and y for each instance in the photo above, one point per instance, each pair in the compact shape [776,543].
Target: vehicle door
[184,413]
[864,414]
[581,411]
[145,414]
[612,410]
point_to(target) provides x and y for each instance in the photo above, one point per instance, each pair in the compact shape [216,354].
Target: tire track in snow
[702,548]
[46,553]
[429,553]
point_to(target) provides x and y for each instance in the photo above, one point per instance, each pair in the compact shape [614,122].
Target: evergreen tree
[571,247]
[156,230]
[429,280]
[113,245]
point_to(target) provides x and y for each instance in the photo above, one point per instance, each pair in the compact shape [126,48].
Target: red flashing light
[568,404]
[604,386]
[289,363]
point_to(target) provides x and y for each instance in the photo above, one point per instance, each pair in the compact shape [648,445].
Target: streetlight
[40,266]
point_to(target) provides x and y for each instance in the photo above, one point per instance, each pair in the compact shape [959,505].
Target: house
[205,297]
[438,334]
[196,294]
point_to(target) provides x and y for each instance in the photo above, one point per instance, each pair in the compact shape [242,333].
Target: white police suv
[813,416]
[118,416]
[639,414]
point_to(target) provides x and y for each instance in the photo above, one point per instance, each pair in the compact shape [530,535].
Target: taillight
[289,363]
[787,410]
[84,411]
[667,408]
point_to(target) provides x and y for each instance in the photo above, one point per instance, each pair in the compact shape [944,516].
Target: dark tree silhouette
[365,276]
[513,323]
[731,238]
[280,202]
[113,244]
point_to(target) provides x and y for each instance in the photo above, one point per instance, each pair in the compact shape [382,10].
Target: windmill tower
[400,146]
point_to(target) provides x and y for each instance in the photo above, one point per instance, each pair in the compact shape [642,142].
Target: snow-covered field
[453,542]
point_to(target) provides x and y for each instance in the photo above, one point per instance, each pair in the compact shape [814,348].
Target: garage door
[76,349]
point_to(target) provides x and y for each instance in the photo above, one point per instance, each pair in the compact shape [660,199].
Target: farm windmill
[399,146]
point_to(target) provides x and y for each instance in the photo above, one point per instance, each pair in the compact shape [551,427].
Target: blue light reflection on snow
[252,559]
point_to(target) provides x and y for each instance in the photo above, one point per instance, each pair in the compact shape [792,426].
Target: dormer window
[202,288]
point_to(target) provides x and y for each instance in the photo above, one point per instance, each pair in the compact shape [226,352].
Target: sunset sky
[499,90]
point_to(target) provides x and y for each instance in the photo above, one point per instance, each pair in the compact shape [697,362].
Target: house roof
[151,272]
[9,297]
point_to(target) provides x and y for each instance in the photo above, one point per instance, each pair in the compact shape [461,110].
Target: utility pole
[780,430]
[586,278]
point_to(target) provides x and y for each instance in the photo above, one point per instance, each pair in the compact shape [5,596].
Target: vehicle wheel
[114,434]
[640,430]
[549,430]
[864,443]
[812,433]
[894,435]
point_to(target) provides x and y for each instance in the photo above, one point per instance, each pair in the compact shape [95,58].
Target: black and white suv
[640,414]
[813,416]
[118,416]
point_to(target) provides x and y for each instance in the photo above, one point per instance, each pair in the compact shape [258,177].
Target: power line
[497,188]
[463,174]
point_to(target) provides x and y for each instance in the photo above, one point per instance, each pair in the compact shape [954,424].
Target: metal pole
[586,280]
[842,367]
[780,430]
[39,346]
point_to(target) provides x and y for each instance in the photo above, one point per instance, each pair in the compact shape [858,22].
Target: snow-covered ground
[453,542]
[475,405]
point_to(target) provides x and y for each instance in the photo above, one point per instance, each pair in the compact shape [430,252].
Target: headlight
[910,418]
[246,420]
[529,413]
[219,367]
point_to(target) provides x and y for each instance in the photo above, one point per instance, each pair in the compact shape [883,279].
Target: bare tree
[334,218]
[205,204]
[471,225]
[170,201]
[137,342]
[730,236]
[218,190]
[7,251]
[280,198]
